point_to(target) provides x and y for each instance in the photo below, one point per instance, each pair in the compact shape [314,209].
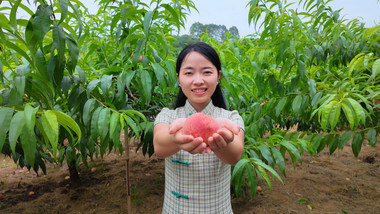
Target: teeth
[199,90]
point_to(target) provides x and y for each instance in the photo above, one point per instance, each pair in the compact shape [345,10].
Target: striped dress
[197,183]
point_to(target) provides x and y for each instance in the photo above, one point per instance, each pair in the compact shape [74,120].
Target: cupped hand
[224,135]
[186,142]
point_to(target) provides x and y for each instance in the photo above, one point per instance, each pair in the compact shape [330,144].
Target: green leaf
[104,122]
[105,84]
[333,144]
[251,179]
[59,42]
[147,20]
[30,118]
[15,129]
[67,122]
[89,106]
[74,53]
[334,115]
[18,50]
[146,85]
[316,98]
[41,64]
[349,115]
[312,87]
[132,125]
[280,106]
[94,124]
[78,16]
[5,121]
[12,16]
[344,139]
[371,136]
[357,142]
[63,5]
[280,161]
[375,69]
[266,154]
[270,169]
[359,111]
[159,72]
[293,151]
[50,125]
[41,22]
[239,166]
[28,144]
[326,113]
[91,86]
[297,104]
[115,118]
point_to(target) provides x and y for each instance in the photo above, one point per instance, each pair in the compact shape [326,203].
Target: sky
[235,13]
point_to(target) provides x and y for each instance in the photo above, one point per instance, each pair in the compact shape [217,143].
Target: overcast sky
[235,13]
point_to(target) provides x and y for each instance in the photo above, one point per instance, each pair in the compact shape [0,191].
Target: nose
[198,79]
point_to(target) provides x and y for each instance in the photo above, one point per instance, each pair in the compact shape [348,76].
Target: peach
[200,125]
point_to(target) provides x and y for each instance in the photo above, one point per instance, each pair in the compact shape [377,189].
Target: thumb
[228,124]
[176,125]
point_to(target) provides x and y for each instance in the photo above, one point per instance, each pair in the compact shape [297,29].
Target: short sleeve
[165,116]
[235,117]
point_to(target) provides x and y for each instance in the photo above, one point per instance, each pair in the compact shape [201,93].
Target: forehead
[195,58]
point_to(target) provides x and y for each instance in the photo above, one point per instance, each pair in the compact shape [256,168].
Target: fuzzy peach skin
[203,126]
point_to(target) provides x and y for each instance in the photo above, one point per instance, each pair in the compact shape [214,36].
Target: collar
[206,110]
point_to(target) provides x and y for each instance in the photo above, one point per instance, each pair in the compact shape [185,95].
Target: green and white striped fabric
[197,183]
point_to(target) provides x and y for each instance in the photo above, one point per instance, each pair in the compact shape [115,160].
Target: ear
[219,75]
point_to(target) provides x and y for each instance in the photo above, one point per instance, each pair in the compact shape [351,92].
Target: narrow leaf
[104,122]
[297,104]
[349,115]
[357,142]
[63,5]
[67,122]
[371,136]
[89,106]
[147,20]
[28,144]
[15,129]
[50,126]
[280,161]
[30,118]
[5,121]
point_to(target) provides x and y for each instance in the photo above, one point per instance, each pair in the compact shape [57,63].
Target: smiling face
[198,78]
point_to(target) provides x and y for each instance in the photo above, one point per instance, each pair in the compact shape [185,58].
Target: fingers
[221,139]
[228,124]
[194,147]
[176,125]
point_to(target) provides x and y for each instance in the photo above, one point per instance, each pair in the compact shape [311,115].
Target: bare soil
[338,183]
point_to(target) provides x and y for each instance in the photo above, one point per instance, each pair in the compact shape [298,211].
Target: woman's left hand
[221,139]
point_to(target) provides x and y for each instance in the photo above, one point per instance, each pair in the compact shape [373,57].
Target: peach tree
[71,81]
[306,68]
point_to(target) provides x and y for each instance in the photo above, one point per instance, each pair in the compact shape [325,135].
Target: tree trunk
[74,176]
[129,205]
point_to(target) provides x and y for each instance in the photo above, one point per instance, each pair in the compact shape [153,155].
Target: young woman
[197,173]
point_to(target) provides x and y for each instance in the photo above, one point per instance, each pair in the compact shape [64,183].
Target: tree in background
[217,32]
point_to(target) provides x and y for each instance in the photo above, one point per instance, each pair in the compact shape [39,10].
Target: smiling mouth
[199,91]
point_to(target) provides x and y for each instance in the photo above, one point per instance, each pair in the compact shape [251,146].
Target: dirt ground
[340,183]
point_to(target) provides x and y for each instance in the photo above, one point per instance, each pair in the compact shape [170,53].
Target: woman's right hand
[186,142]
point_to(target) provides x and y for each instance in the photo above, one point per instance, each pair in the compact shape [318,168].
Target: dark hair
[208,52]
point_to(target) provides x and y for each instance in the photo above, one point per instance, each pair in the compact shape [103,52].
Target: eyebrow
[192,67]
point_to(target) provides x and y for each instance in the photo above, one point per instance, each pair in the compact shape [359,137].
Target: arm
[168,141]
